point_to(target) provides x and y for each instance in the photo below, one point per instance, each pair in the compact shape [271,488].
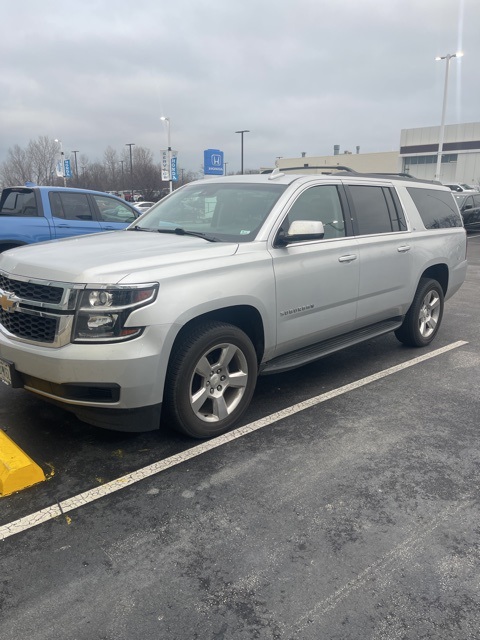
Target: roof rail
[343,170]
[329,168]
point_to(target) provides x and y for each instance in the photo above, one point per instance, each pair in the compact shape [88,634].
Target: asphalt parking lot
[351,516]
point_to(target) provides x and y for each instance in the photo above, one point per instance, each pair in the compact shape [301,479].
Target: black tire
[210,380]
[424,317]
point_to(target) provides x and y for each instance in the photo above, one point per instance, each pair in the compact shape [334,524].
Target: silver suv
[223,280]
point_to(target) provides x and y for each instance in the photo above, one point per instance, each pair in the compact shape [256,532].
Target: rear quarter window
[377,209]
[437,208]
[19,203]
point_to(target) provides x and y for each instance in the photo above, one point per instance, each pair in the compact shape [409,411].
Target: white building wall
[460,140]
[461,155]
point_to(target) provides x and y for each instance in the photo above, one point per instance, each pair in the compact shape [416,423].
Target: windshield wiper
[196,234]
[137,228]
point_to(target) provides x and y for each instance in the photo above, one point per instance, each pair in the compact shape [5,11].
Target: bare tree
[36,163]
[112,165]
[16,170]
[43,154]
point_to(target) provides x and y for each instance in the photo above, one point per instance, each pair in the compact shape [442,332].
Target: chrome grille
[31,290]
[29,327]
[37,311]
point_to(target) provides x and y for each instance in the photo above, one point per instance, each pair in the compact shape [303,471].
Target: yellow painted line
[17,470]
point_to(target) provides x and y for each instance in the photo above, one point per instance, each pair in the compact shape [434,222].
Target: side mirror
[300,231]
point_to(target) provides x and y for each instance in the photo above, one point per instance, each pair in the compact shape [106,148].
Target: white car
[143,206]
[460,187]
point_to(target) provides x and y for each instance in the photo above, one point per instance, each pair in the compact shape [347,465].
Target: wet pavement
[354,518]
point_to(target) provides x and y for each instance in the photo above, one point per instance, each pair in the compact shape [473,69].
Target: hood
[109,257]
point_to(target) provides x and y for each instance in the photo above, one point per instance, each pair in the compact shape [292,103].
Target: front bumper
[117,386]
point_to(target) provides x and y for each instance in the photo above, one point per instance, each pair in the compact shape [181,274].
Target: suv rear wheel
[423,319]
[210,379]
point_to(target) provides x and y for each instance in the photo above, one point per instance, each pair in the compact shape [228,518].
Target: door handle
[404,248]
[348,258]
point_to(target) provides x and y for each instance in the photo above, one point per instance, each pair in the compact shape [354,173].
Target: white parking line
[60,508]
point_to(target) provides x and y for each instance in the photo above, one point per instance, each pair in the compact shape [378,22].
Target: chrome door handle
[349,258]
[404,248]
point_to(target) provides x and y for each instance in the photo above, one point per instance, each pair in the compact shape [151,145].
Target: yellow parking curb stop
[17,470]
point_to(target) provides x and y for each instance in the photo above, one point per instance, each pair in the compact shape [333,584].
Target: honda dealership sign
[172,173]
[213,162]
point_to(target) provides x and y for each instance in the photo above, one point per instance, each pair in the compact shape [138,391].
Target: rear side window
[377,209]
[70,206]
[436,208]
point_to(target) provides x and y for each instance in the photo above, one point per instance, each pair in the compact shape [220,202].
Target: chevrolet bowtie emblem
[8,301]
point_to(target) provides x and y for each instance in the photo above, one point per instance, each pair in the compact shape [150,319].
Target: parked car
[224,280]
[469,205]
[34,214]
[460,187]
[143,206]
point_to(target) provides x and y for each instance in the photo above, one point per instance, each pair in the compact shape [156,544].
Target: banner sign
[68,169]
[174,169]
[164,163]
[213,162]
[164,166]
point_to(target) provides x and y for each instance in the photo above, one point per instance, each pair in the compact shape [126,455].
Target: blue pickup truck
[34,214]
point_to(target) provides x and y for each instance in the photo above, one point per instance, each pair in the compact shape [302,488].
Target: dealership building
[417,155]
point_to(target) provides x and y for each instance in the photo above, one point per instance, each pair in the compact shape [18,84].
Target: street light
[62,160]
[241,152]
[169,145]
[448,57]
[131,144]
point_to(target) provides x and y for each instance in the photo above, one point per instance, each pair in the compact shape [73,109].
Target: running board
[321,349]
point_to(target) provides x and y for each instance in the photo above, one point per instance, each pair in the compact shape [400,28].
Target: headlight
[103,312]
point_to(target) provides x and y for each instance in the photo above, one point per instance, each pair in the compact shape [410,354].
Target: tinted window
[319,203]
[71,206]
[436,208]
[476,201]
[18,203]
[372,210]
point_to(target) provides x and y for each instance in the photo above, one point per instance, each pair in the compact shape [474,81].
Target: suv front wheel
[210,379]
[423,319]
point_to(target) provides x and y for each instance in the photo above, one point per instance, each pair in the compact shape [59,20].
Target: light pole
[122,162]
[241,147]
[131,144]
[62,160]
[76,165]
[169,145]
[448,57]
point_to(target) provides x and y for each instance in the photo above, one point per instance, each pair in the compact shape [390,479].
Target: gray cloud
[301,76]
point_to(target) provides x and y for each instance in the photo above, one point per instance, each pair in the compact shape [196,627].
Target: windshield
[228,212]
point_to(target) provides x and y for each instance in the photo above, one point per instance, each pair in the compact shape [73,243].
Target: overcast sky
[301,75]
